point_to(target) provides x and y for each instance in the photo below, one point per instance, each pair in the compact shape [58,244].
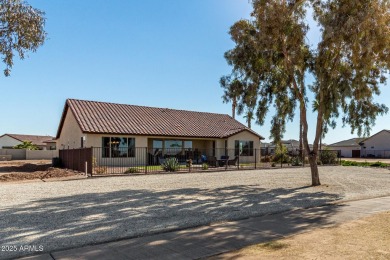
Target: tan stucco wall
[245,136]
[70,136]
[41,155]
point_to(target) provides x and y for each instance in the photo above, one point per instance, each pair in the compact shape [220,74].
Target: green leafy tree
[21,30]
[28,145]
[348,65]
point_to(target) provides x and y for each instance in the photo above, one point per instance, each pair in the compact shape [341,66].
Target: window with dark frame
[243,148]
[118,147]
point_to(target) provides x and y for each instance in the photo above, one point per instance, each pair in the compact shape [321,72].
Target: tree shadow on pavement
[91,218]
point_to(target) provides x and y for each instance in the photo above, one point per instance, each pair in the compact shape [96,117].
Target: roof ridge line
[175,109]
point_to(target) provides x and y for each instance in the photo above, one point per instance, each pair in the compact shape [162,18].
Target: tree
[28,145]
[249,116]
[21,30]
[348,65]
[232,92]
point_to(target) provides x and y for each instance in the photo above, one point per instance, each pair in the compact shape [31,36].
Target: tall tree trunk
[300,139]
[315,177]
[249,123]
[234,104]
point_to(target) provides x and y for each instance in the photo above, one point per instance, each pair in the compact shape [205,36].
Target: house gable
[69,133]
[7,141]
[379,141]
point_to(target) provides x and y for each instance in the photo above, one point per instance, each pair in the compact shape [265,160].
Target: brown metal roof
[110,118]
[35,139]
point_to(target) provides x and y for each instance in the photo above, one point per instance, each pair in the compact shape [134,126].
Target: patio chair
[223,161]
[233,162]
[212,161]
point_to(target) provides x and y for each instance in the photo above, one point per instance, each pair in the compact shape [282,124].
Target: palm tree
[232,92]
[249,116]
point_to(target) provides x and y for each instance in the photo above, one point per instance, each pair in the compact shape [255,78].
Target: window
[243,148]
[173,147]
[115,147]
[188,145]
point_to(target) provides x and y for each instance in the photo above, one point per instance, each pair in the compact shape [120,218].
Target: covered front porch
[198,150]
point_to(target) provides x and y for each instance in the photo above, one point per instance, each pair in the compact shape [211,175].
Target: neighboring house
[120,129]
[377,145]
[43,142]
[348,148]
[291,145]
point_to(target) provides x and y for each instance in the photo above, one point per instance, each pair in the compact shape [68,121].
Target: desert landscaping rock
[68,214]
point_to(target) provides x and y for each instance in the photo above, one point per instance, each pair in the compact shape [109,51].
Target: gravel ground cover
[66,214]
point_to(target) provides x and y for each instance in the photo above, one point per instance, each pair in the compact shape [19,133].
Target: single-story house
[377,145]
[348,148]
[8,141]
[120,130]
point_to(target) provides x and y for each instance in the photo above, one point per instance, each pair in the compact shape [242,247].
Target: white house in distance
[8,141]
[378,145]
[119,129]
[348,148]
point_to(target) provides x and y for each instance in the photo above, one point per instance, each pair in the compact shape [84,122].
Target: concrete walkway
[223,237]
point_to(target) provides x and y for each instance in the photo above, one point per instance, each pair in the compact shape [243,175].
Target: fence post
[146,159]
[92,160]
[281,161]
[238,162]
[86,168]
[256,158]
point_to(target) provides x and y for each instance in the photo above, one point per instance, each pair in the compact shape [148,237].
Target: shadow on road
[73,221]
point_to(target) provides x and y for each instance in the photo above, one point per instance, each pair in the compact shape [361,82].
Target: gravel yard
[65,214]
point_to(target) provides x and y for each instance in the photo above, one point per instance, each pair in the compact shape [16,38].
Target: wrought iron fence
[142,160]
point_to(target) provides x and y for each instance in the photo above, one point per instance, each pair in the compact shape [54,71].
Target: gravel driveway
[65,214]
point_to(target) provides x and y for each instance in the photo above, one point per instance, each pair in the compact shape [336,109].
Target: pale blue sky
[153,53]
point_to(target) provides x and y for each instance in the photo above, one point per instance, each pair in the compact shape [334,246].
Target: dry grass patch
[366,238]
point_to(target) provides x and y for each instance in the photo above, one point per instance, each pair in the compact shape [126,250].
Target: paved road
[68,214]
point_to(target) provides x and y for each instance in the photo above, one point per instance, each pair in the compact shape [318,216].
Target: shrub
[364,164]
[273,164]
[379,164]
[170,164]
[100,169]
[266,159]
[281,155]
[296,161]
[132,170]
[205,166]
[328,157]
